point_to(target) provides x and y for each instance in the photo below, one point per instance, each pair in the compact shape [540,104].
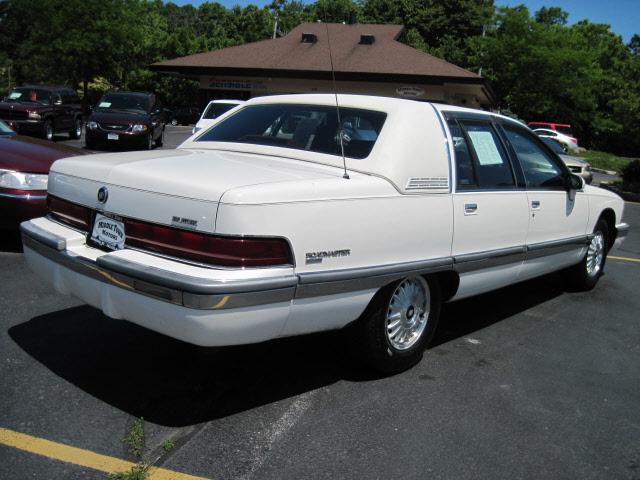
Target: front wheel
[47,130]
[585,275]
[76,133]
[399,324]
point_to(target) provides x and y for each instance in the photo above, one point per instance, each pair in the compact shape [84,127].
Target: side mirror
[574,182]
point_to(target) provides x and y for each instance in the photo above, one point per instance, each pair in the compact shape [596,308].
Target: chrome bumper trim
[41,235]
[183,290]
[23,196]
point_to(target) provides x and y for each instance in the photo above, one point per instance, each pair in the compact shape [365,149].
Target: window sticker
[15,95]
[104,104]
[486,148]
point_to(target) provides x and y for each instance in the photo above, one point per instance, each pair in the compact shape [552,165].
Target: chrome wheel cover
[48,131]
[78,128]
[408,313]
[595,254]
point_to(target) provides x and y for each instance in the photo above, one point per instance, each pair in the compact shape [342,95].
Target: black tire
[160,139]
[370,335]
[585,275]
[47,129]
[76,131]
[148,142]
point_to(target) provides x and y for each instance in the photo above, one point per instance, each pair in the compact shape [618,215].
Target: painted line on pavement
[626,259]
[81,457]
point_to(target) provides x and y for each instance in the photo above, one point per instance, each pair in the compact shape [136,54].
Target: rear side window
[481,161]
[564,130]
[302,127]
[216,109]
[540,170]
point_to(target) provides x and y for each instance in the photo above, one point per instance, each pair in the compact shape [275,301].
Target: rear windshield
[216,109]
[303,127]
[123,102]
[26,94]
[565,130]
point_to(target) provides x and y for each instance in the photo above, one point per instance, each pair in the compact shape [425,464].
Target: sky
[622,15]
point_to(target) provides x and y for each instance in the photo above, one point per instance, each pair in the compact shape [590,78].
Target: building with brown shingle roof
[367,59]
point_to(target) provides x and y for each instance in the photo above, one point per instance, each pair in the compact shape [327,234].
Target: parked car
[569,143]
[563,128]
[574,164]
[215,109]
[43,111]
[129,119]
[248,232]
[24,168]
[185,116]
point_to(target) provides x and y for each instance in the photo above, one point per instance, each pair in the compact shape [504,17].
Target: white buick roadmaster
[251,230]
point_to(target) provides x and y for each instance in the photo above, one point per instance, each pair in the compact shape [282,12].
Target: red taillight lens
[210,249]
[70,213]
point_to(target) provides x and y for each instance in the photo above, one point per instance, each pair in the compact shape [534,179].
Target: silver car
[576,165]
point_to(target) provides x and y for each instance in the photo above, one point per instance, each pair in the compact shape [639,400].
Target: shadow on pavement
[172,383]
[10,241]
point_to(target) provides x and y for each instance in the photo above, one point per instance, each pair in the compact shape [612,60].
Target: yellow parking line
[79,456]
[626,259]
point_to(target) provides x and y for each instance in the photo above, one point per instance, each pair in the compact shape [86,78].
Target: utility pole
[484,31]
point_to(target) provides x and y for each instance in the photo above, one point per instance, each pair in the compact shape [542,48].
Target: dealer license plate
[112,136]
[108,232]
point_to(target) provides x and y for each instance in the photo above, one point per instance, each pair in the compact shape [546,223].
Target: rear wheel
[77,129]
[160,139]
[585,275]
[148,144]
[399,324]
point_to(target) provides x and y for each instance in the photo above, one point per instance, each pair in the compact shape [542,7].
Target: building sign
[410,92]
[233,84]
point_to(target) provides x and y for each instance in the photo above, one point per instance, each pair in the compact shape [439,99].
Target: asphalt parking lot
[527,382]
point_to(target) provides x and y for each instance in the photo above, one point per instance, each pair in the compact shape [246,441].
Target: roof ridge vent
[367,39]
[309,38]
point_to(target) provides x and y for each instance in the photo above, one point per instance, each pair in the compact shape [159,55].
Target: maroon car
[24,171]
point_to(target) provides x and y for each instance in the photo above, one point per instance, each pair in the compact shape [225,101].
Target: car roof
[231,101]
[141,94]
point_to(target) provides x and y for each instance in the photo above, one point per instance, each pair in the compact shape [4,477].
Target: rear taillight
[69,213]
[209,249]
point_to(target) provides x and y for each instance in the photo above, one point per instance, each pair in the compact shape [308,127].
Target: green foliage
[540,67]
[137,472]
[631,175]
[604,160]
[168,445]
[135,437]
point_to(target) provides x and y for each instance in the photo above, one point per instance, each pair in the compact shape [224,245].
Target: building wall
[217,87]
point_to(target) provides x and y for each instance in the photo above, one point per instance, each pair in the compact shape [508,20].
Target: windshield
[33,95]
[123,102]
[302,127]
[553,144]
[565,130]
[5,130]
[214,110]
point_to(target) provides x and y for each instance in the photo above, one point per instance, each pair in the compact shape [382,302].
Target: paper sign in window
[485,147]
[15,95]
[104,105]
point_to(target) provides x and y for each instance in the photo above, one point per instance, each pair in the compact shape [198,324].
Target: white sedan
[215,109]
[259,228]
[569,143]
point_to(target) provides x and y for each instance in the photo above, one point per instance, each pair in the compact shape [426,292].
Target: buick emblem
[103,194]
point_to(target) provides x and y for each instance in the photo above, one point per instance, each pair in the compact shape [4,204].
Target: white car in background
[214,109]
[260,228]
[569,143]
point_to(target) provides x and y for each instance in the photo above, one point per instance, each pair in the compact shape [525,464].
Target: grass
[604,160]
[168,445]
[135,438]
[137,472]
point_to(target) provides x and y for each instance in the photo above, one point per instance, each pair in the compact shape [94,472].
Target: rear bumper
[16,208]
[198,310]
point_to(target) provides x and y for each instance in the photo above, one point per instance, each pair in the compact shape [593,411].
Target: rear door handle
[535,205]
[470,208]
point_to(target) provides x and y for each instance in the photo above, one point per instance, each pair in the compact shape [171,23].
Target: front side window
[303,127]
[481,161]
[540,170]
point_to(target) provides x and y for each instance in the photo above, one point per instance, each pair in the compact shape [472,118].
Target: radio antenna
[335,93]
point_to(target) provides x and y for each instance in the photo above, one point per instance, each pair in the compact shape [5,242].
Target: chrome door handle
[470,208]
[535,205]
